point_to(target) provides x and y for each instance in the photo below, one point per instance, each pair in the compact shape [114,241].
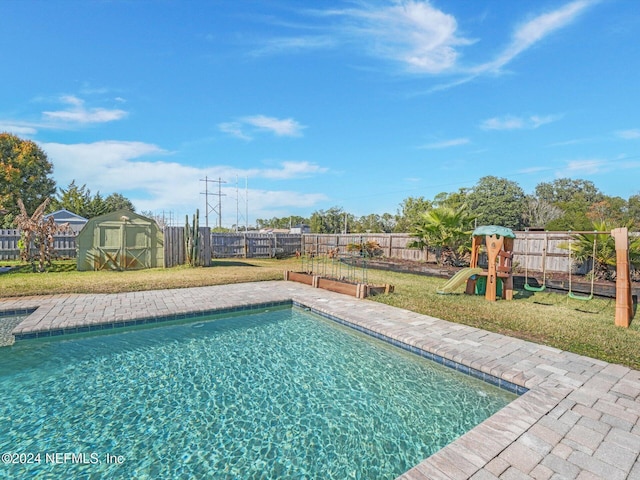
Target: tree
[374,223]
[497,201]
[633,210]
[334,220]
[409,213]
[284,222]
[97,206]
[573,197]
[538,212]
[75,199]
[611,210]
[79,201]
[116,201]
[25,172]
[452,200]
[447,230]
[564,190]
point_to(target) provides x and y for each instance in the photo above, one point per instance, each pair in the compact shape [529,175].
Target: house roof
[64,215]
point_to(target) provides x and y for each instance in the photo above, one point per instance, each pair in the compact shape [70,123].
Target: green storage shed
[120,240]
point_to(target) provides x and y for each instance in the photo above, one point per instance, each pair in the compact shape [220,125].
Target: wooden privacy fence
[527,250]
[539,250]
[229,245]
[528,246]
[255,245]
[174,253]
[392,245]
[64,244]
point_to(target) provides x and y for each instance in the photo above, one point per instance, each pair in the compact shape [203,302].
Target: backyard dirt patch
[556,281]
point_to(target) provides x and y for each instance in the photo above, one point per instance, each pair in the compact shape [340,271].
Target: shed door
[123,247]
[137,247]
[108,247]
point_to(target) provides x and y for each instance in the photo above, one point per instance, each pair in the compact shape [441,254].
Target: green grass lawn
[585,328]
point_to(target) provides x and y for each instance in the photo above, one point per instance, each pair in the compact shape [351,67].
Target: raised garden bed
[358,290]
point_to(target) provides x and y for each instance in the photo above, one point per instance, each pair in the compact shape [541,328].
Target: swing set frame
[527,286]
[571,294]
[624,300]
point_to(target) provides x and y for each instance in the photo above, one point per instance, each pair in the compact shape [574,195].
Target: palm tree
[446,229]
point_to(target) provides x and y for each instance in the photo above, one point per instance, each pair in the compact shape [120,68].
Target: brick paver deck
[579,419]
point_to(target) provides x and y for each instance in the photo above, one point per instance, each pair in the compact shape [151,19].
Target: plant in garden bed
[369,249]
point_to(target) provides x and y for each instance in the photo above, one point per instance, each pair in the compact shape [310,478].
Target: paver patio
[580,418]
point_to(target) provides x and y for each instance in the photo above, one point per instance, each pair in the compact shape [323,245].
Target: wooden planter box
[337,286]
[305,278]
[358,290]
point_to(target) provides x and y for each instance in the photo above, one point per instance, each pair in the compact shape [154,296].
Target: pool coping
[578,419]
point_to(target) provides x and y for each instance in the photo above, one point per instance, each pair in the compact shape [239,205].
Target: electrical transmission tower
[246,199]
[216,208]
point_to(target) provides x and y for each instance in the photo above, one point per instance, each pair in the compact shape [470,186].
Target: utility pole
[213,208]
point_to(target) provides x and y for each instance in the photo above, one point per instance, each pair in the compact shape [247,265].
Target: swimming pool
[276,394]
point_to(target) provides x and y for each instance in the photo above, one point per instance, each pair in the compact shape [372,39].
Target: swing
[593,276]
[531,288]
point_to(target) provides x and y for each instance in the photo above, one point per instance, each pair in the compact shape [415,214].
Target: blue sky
[357,104]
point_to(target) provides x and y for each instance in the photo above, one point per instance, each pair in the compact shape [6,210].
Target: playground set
[497,279]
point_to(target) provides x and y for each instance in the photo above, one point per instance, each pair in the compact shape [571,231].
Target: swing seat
[531,288]
[580,297]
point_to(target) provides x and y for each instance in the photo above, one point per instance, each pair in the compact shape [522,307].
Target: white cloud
[631,134]
[106,165]
[414,33]
[234,129]
[502,123]
[533,31]
[293,170]
[536,121]
[286,127]
[156,184]
[446,143]
[17,129]
[583,167]
[525,36]
[294,45]
[78,113]
[510,122]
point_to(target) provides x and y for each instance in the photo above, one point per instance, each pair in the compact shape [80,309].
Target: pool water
[276,394]
[7,323]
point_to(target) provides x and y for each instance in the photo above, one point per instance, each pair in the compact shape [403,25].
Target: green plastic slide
[458,279]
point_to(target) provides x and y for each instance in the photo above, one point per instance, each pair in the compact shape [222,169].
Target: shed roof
[122,214]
